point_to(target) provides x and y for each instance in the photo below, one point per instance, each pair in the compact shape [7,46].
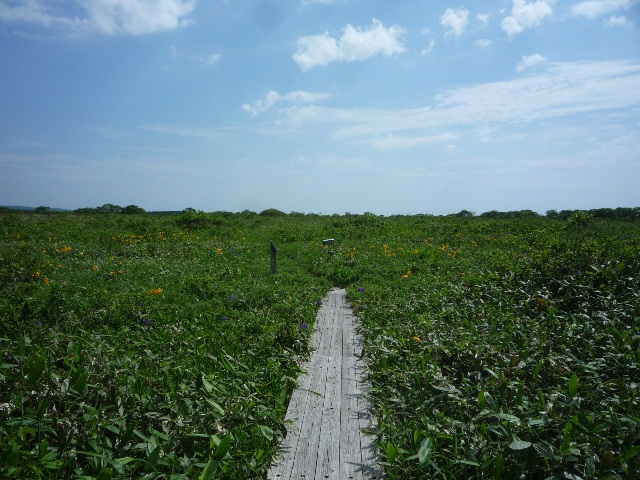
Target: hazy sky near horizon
[323,106]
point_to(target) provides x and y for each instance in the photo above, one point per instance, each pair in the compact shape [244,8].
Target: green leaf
[79,380]
[210,470]
[266,432]
[482,400]
[223,447]
[154,455]
[519,445]
[119,463]
[497,473]
[573,385]
[36,370]
[510,418]
[544,448]
[391,452]
[216,407]
[425,451]
[104,475]
[537,370]
[208,386]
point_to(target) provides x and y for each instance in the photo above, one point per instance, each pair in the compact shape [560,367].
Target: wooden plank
[328,461]
[307,451]
[350,450]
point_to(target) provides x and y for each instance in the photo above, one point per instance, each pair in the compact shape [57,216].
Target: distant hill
[31,209]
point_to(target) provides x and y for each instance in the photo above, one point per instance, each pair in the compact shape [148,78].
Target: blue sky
[323,106]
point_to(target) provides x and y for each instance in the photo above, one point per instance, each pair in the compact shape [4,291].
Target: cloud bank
[111,17]
[557,90]
[596,8]
[354,44]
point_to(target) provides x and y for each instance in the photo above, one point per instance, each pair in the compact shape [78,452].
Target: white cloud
[526,15]
[529,61]
[596,8]
[138,17]
[557,90]
[213,58]
[454,20]
[272,98]
[355,44]
[38,13]
[134,17]
[391,141]
[483,42]
[427,51]
[483,19]
[617,21]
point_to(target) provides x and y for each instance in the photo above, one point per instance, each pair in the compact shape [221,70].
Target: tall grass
[161,346]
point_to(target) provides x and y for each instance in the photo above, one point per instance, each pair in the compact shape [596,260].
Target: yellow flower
[95,268]
[47,281]
[155,291]
[219,250]
[417,339]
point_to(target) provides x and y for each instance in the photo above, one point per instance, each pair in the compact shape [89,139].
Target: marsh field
[162,346]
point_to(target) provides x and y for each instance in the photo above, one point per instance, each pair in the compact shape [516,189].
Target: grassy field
[161,346]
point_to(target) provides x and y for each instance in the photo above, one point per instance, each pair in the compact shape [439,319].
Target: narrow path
[328,410]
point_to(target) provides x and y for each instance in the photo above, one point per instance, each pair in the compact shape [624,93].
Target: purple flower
[361,289]
[232,297]
[144,321]
[318,302]
[224,318]
[304,325]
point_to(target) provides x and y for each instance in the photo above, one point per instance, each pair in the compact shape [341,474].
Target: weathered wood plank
[328,461]
[329,409]
[307,451]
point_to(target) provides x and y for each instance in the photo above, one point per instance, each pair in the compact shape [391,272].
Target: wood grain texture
[329,411]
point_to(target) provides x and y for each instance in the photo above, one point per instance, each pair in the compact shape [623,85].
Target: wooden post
[274,251]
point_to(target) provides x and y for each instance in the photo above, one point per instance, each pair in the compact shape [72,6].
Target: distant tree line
[620,213]
[197,217]
[111,208]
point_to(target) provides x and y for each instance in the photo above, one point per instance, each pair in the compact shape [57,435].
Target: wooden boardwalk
[328,410]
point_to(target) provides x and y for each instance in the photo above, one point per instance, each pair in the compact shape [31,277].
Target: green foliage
[139,346]
[132,210]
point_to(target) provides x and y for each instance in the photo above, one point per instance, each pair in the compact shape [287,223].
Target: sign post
[274,251]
